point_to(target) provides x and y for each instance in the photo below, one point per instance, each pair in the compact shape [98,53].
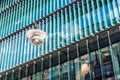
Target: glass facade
[64,27]
[100,64]
[65,22]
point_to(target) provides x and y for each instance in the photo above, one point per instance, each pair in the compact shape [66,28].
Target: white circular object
[36,36]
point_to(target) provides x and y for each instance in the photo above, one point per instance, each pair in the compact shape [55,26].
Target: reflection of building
[78,31]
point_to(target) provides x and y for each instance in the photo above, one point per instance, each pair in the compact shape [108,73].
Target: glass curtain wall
[25,13]
[94,65]
[63,28]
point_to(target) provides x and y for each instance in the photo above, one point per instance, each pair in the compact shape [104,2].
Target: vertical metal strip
[42,69]
[89,58]
[11,51]
[9,26]
[34,70]
[58,30]
[79,63]
[26,72]
[47,8]
[19,16]
[68,58]
[25,14]
[19,74]
[3,25]
[99,54]
[43,8]
[112,56]
[59,65]
[4,34]
[39,47]
[7,50]
[50,5]
[46,40]
[62,29]
[26,47]
[37,7]
[21,46]
[15,58]
[22,12]
[7,23]
[50,34]
[13,75]
[66,27]
[54,32]
[14,51]
[1,56]
[31,49]
[16,18]
[13,21]
[18,47]
[6,76]
[42,46]
[2,17]
[34,11]
[70,20]
[6,55]
[4,67]
[3,60]
[40,9]
[50,69]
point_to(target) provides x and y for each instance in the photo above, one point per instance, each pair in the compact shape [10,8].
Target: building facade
[83,40]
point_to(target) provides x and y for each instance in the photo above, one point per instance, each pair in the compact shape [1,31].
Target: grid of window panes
[97,65]
[67,26]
